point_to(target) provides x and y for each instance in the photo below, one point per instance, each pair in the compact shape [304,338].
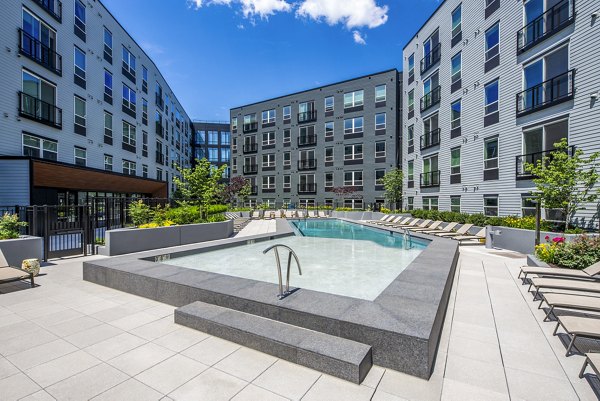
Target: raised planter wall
[16,250]
[130,240]
[518,239]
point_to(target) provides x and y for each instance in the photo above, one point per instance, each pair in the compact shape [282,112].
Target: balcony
[307,188]
[431,58]
[40,53]
[250,127]
[430,139]
[35,109]
[430,179]
[250,169]
[250,147]
[307,164]
[52,7]
[307,140]
[552,21]
[553,91]
[533,158]
[431,99]
[307,116]
[160,158]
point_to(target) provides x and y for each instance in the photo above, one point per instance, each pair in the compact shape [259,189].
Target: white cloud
[359,38]
[352,13]
[264,8]
[199,3]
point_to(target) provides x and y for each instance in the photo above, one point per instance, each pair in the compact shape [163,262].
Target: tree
[238,189]
[392,182]
[565,180]
[200,185]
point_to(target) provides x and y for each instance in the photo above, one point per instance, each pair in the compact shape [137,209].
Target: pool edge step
[335,356]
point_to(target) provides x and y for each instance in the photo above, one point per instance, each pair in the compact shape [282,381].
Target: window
[158,93]
[268,160]
[490,156]
[80,155]
[213,137]
[108,45]
[329,154]
[353,152]
[80,112]
[159,174]
[353,125]
[455,161]
[287,158]
[129,167]
[79,63]
[234,164]
[144,144]
[379,174]
[492,42]
[268,138]
[144,79]
[108,162]
[108,124]
[455,204]
[328,180]
[128,62]
[380,93]
[213,155]
[287,112]
[490,205]
[287,181]
[410,203]
[411,170]
[411,101]
[129,98]
[379,149]
[491,97]
[411,138]
[353,203]
[268,182]
[225,138]
[287,135]
[380,121]
[144,111]
[329,103]
[455,114]
[80,15]
[411,67]
[353,178]
[456,20]
[144,171]
[128,134]
[528,205]
[39,147]
[354,99]
[329,128]
[108,84]
[268,116]
[456,67]
[430,203]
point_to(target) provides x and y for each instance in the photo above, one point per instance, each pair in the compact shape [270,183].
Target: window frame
[42,151]
[267,118]
[355,129]
[330,107]
[356,152]
[380,126]
[495,103]
[454,169]
[486,207]
[108,162]
[131,167]
[496,158]
[271,138]
[127,102]
[268,162]
[76,157]
[129,139]
[82,73]
[355,99]
[496,47]
[456,30]
[453,206]
[330,158]
[380,153]
[128,65]
[377,97]
[410,99]
[353,182]
[453,120]
[456,76]
[78,118]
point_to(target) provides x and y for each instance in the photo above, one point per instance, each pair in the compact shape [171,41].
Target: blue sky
[219,54]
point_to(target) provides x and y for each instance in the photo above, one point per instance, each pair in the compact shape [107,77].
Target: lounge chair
[540,283]
[290,214]
[464,230]
[10,274]
[322,214]
[301,214]
[474,239]
[569,301]
[401,222]
[383,221]
[312,214]
[592,359]
[407,223]
[576,326]
[448,229]
[269,214]
[432,226]
[395,220]
[383,218]
[591,272]
[255,214]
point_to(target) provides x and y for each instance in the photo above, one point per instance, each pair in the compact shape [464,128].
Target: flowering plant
[579,253]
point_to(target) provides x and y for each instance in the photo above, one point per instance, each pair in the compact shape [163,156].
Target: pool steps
[336,356]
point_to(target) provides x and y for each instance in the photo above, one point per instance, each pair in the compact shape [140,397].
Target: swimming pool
[337,257]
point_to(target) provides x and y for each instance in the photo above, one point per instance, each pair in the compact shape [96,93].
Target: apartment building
[85,111]
[490,85]
[327,145]
[212,141]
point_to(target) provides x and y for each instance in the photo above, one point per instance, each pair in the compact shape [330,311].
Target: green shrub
[186,214]
[580,253]
[10,226]
[214,209]
[347,209]
[215,218]
[140,213]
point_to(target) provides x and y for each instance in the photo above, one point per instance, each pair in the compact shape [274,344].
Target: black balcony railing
[430,139]
[250,127]
[39,52]
[430,179]
[548,93]
[307,164]
[36,109]
[534,158]
[553,20]
[250,147]
[307,116]
[250,168]
[431,58]
[307,140]
[431,99]
[52,7]
[307,188]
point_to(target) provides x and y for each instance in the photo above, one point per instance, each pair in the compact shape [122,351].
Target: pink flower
[558,240]
[547,238]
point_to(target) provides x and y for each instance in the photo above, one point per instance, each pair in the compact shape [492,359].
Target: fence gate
[66,231]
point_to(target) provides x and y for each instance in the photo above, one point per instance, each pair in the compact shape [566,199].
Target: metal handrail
[282,294]
[407,239]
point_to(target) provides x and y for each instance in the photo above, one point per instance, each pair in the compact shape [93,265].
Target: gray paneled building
[490,87]
[212,141]
[327,145]
[85,110]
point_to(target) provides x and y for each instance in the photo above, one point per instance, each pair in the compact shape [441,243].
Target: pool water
[337,257]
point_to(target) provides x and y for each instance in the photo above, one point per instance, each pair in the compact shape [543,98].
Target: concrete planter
[357,215]
[518,239]
[130,240]
[532,260]
[19,249]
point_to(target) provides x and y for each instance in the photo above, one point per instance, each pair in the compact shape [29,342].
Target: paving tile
[162,310]
[475,332]
[477,373]
[17,386]
[474,349]
[63,315]
[155,329]
[88,383]
[213,384]
[254,393]
[42,353]
[134,320]
[211,350]
[181,339]
[74,326]
[245,363]
[7,368]
[22,343]
[329,388]
[458,391]
[94,307]
[112,314]
[38,396]
[131,390]
[46,311]
[61,368]
[383,396]
[139,359]
[410,387]
[10,319]
[542,363]
[532,387]
[93,335]
[287,379]
[373,377]
[115,346]
[167,375]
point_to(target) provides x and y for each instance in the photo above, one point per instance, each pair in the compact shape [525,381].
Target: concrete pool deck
[69,339]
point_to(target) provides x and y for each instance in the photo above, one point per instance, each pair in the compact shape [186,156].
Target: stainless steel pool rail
[407,239]
[282,294]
